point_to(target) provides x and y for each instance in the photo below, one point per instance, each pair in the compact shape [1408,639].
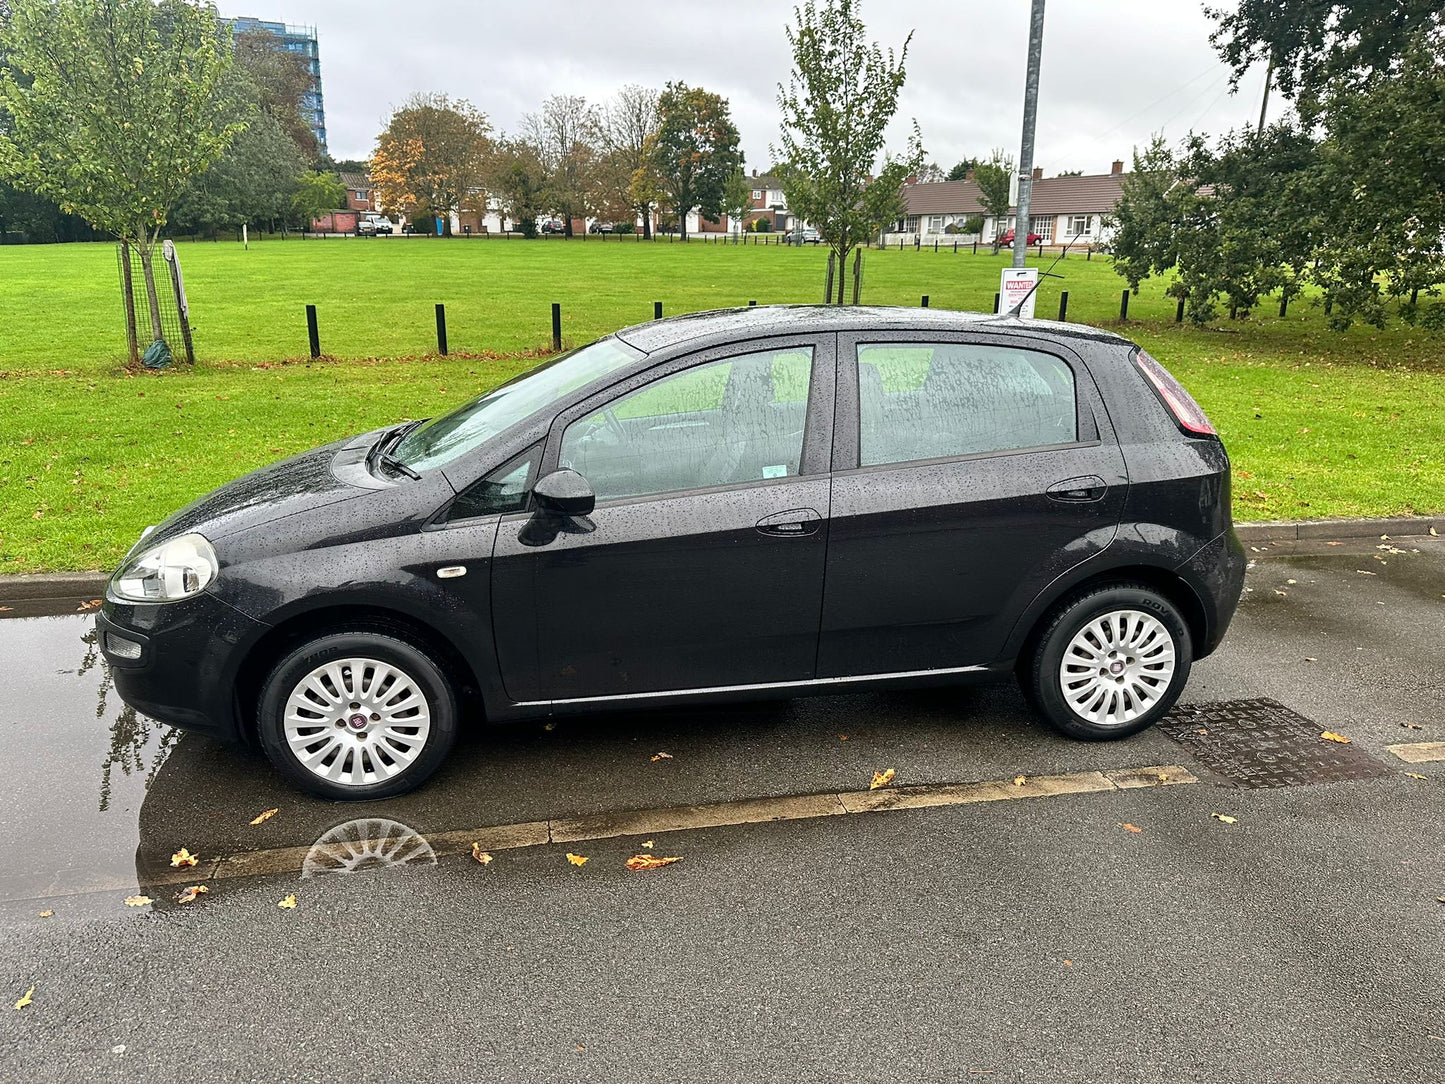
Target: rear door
[705,565]
[969,472]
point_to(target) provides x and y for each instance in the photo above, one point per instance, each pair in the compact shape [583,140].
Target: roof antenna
[1017,310]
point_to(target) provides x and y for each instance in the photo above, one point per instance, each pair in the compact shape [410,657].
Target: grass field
[1318,423]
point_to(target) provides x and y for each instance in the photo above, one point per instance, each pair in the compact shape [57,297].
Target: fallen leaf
[1362,572]
[26,1000]
[842,737]
[1330,735]
[1334,543]
[1280,593]
[1201,730]
[1412,726]
[1019,780]
[1130,827]
[650,861]
[288,904]
[138,901]
[1068,963]
[5,609]
[480,855]
[882,779]
[1291,581]
[266,816]
[46,914]
[1416,775]
[184,857]
[1434,532]
[661,756]
[576,859]
[1311,658]
[189,895]
[1222,817]
[648,844]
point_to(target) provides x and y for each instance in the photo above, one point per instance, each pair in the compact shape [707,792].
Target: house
[768,201]
[359,193]
[1062,210]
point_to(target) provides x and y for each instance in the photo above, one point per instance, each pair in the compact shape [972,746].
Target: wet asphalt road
[1303,942]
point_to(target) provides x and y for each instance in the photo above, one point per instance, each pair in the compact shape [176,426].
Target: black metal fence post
[1179,312]
[1124,305]
[313,331]
[995,301]
[556,326]
[441,329]
[751,304]
[975,246]
[1063,306]
[924,302]
[657,310]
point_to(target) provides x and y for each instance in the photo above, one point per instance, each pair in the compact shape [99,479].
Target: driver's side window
[725,422]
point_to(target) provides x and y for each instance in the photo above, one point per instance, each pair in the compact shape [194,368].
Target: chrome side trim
[813,683]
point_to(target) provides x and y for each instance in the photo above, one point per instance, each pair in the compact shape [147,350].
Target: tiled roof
[356,180]
[766,180]
[1096,194]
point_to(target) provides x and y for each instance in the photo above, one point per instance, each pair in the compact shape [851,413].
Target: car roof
[756,321]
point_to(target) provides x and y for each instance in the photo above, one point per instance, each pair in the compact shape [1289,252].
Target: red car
[1006,239]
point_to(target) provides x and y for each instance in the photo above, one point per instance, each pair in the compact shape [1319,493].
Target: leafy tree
[519,180]
[254,181]
[694,151]
[738,198]
[113,108]
[960,170]
[279,82]
[840,97]
[431,158]
[629,121]
[316,193]
[565,134]
[1310,43]
[995,180]
[930,173]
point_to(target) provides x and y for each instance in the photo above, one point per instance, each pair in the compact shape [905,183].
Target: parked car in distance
[758,502]
[1006,239]
[552,225]
[373,224]
[601,227]
[805,235]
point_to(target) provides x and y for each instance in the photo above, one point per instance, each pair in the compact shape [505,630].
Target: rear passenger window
[932,400]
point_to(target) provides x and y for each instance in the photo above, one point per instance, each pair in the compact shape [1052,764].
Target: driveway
[1065,927]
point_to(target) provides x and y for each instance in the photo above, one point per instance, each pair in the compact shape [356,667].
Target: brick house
[359,193]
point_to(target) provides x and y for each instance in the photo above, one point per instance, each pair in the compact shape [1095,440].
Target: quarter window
[933,400]
[504,490]
[723,423]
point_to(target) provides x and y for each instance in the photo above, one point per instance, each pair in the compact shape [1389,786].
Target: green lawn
[1317,423]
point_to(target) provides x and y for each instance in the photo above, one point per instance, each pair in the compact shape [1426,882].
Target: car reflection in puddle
[138,745]
[366,843]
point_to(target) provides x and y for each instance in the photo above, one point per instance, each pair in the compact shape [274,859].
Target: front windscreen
[453,435]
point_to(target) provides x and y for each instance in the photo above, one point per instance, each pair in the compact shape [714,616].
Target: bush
[973,224]
[625,227]
[763,225]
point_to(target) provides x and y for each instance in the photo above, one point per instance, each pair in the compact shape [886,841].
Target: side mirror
[563,500]
[564,493]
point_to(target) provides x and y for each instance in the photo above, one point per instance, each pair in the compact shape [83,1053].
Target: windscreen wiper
[381,450]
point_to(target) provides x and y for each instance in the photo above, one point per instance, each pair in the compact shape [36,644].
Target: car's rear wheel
[357,715]
[1110,662]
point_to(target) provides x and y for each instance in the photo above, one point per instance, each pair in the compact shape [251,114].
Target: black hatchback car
[750,503]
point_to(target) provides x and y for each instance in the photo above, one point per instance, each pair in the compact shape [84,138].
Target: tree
[431,158]
[519,180]
[565,134]
[995,182]
[254,181]
[960,171]
[279,82]
[316,192]
[629,121]
[840,97]
[737,199]
[113,109]
[694,150]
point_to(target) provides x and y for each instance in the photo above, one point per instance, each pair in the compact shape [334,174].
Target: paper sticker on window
[778,471]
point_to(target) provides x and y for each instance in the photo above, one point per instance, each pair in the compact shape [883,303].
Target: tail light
[1181,404]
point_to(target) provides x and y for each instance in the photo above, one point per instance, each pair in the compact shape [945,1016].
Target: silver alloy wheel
[1117,667]
[357,721]
[367,843]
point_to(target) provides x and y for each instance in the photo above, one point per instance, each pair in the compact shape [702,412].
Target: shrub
[625,227]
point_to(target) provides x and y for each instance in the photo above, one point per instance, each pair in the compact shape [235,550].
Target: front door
[704,565]
[969,474]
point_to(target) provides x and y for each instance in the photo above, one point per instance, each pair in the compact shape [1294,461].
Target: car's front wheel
[357,715]
[1110,662]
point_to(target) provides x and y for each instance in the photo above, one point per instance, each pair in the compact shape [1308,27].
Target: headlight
[176,569]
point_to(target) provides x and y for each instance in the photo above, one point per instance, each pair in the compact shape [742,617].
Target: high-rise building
[300,40]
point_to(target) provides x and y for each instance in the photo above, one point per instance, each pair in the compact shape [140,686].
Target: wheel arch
[309,624]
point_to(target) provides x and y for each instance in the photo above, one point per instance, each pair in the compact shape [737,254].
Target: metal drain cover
[1261,743]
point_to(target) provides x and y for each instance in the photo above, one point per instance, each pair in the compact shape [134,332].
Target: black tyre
[355,716]
[1110,662]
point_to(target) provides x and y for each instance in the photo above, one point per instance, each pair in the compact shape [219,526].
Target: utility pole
[1031,113]
[1264,104]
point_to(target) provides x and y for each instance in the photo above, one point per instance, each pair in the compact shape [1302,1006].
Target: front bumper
[184,673]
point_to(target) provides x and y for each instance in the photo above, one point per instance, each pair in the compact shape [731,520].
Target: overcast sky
[1114,71]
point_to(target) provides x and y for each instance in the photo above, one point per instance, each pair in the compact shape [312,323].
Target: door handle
[794,523]
[1083,490]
